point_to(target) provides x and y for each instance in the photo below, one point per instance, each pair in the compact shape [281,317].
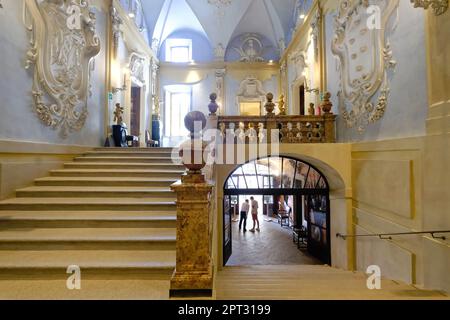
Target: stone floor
[272,246]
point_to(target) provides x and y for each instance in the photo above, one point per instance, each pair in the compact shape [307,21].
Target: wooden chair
[300,237]
[148,140]
[284,216]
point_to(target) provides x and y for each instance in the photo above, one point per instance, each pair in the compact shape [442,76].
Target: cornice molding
[132,37]
[221,65]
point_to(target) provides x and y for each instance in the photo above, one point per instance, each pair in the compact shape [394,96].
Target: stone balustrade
[291,129]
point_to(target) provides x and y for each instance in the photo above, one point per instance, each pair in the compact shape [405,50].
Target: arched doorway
[280,178]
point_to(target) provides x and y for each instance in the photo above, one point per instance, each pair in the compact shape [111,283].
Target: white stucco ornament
[63,41]
[251,49]
[362,46]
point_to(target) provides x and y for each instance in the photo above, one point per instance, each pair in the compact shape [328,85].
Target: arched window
[276,173]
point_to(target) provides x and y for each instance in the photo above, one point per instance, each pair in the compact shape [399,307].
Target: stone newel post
[193,274]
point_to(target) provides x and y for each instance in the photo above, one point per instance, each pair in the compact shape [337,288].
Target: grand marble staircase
[110,212]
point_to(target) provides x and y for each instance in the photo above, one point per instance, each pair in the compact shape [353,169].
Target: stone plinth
[193,275]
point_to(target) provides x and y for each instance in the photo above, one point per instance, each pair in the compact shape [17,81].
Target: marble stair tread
[128,259]
[110,179]
[123,158]
[173,166]
[89,192]
[88,215]
[114,171]
[87,201]
[162,149]
[133,150]
[97,189]
[87,234]
[125,153]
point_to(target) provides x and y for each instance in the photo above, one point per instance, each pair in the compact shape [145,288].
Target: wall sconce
[308,89]
[124,86]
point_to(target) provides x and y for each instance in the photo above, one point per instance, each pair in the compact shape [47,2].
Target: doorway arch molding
[334,162]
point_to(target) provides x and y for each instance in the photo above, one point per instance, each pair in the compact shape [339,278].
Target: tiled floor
[272,246]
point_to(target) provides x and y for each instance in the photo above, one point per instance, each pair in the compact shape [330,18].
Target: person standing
[254,205]
[244,212]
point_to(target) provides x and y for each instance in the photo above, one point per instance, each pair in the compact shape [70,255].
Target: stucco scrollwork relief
[298,58]
[137,68]
[63,41]
[364,60]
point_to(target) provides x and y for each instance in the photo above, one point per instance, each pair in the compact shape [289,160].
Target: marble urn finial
[270,106]
[192,150]
[213,106]
[327,105]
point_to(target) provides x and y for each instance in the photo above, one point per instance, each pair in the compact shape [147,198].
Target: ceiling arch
[176,15]
[220,23]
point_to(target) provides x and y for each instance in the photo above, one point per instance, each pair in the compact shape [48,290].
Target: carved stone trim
[137,68]
[439,6]
[365,59]
[63,41]
[251,89]
[116,22]
[220,88]
[315,30]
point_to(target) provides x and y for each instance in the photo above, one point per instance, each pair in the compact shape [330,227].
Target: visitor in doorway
[244,212]
[254,205]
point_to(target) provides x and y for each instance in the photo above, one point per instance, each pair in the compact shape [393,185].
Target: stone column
[193,276]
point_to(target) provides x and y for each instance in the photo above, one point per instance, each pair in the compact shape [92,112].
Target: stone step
[106,181]
[88,239]
[110,263]
[88,219]
[127,160]
[95,192]
[124,165]
[134,150]
[100,286]
[87,204]
[117,173]
[148,154]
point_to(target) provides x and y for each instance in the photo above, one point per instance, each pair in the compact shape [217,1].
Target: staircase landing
[308,283]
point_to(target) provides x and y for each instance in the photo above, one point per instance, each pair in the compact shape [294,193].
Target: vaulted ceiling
[220,20]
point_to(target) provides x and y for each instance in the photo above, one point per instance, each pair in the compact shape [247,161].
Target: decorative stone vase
[269,106]
[326,104]
[213,106]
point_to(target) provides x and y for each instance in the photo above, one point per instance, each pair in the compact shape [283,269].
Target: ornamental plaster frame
[358,94]
[61,55]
